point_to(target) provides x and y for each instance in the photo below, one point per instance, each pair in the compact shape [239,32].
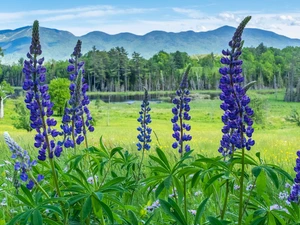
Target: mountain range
[59,44]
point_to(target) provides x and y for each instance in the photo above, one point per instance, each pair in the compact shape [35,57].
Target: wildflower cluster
[74,123]
[38,100]
[23,164]
[154,206]
[181,113]
[144,119]
[237,113]
[295,189]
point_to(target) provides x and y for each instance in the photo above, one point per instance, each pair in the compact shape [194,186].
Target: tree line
[116,70]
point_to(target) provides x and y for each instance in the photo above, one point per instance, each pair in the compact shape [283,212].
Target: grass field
[276,139]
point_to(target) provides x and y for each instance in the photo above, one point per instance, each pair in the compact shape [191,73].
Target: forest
[115,70]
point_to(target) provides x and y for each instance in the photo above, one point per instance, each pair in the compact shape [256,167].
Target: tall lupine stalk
[77,106]
[144,136]
[181,114]
[38,102]
[295,190]
[237,130]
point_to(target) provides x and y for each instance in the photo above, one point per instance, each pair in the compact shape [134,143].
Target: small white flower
[13,211]
[4,202]
[9,179]
[149,208]
[236,187]
[4,185]
[275,207]
[283,195]
[287,185]
[7,162]
[90,180]
[250,187]
[192,211]
[197,193]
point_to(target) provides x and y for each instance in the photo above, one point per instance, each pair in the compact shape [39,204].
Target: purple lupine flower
[181,114]
[237,130]
[144,119]
[38,99]
[23,164]
[75,124]
[295,189]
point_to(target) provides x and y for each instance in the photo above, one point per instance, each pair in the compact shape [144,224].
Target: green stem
[225,201]
[38,185]
[185,198]
[241,187]
[140,166]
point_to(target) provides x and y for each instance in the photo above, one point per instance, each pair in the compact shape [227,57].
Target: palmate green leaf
[103,148]
[271,219]
[256,171]
[163,157]
[76,198]
[149,219]
[115,150]
[26,216]
[214,221]
[158,169]
[213,179]
[200,211]
[108,211]
[79,182]
[37,218]
[112,182]
[86,208]
[28,194]
[160,162]
[171,208]
[168,182]
[272,175]
[196,178]
[259,221]
[25,201]
[179,188]
[159,189]
[278,217]
[280,171]
[52,222]
[261,184]
[17,218]
[133,218]
[52,208]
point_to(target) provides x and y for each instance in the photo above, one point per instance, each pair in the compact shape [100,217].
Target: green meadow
[276,139]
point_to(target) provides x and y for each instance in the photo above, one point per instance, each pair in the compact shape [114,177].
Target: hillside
[58,44]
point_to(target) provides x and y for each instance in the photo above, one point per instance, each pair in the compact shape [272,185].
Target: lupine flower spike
[23,164]
[181,114]
[144,135]
[38,100]
[295,189]
[144,119]
[237,113]
[78,103]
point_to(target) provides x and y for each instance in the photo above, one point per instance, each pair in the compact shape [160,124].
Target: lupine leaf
[133,218]
[200,211]
[86,208]
[37,218]
[173,210]
[163,157]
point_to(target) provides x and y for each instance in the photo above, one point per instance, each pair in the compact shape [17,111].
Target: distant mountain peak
[58,44]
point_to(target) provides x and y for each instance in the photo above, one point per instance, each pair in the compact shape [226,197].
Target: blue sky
[143,16]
